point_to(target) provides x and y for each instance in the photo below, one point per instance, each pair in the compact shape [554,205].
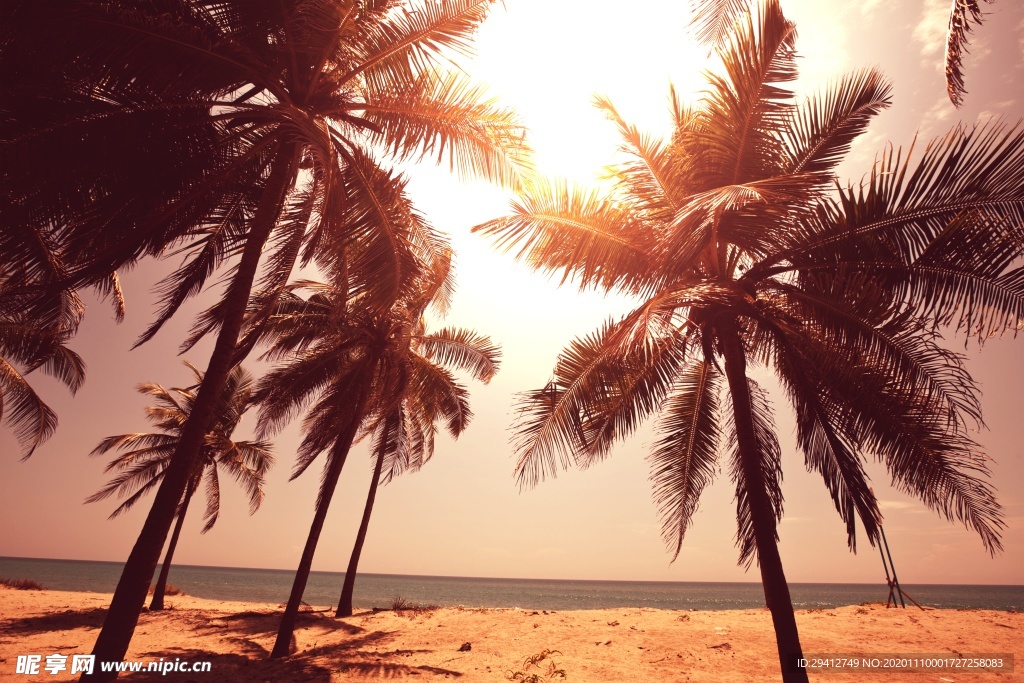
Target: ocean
[380,590]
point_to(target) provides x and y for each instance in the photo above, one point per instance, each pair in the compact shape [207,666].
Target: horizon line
[514,578]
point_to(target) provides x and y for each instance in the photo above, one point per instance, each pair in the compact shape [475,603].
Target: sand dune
[612,645]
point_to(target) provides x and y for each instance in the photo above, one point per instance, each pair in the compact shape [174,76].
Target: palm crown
[146,455]
[732,222]
[318,90]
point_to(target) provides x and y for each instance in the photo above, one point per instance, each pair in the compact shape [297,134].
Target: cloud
[868,7]
[931,29]
[1020,43]
[933,118]
[900,505]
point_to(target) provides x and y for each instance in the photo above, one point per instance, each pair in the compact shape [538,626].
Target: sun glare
[548,60]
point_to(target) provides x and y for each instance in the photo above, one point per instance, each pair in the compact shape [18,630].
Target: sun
[547,59]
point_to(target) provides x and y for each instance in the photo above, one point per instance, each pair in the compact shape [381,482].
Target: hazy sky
[462,514]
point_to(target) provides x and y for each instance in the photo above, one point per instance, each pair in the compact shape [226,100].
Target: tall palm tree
[365,370]
[268,124]
[404,424]
[740,251]
[146,457]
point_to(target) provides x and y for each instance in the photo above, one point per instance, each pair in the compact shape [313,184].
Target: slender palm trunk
[130,594]
[330,483]
[161,583]
[773,580]
[345,602]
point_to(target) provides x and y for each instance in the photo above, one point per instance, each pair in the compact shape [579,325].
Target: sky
[462,515]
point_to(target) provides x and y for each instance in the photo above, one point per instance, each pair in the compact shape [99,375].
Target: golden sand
[591,646]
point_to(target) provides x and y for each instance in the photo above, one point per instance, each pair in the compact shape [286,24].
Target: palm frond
[823,127]
[769,462]
[447,116]
[961,16]
[21,408]
[461,349]
[684,459]
[409,41]
[733,133]
[555,227]
[212,511]
[973,174]
[714,20]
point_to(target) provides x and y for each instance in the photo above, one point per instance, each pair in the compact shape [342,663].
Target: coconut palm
[404,430]
[146,456]
[268,125]
[364,370]
[739,251]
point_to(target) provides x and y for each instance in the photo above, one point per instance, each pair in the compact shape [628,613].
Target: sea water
[380,590]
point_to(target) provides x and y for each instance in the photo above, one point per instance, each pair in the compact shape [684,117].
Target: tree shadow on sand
[57,621]
[315,665]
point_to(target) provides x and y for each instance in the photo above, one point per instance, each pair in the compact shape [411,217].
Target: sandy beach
[611,645]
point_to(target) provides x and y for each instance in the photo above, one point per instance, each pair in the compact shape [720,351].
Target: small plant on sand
[22,584]
[398,603]
[534,661]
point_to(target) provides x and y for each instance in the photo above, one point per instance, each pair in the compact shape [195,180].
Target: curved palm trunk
[773,580]
[330,483]
[345,602]
[130,594]
[157,603]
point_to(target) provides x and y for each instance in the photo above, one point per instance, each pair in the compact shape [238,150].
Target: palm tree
[364,369]
[146,457]
[268,124]
[404,430]
[713,21]
[739,251]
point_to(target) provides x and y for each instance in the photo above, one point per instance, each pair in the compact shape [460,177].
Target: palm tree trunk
[773,580]
[161,583]
[130,594]
[330,483]
[345,602]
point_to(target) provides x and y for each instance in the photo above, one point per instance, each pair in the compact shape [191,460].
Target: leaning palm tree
[404,424]
[364,370]
[147,455]
[742,253]
[269,124]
